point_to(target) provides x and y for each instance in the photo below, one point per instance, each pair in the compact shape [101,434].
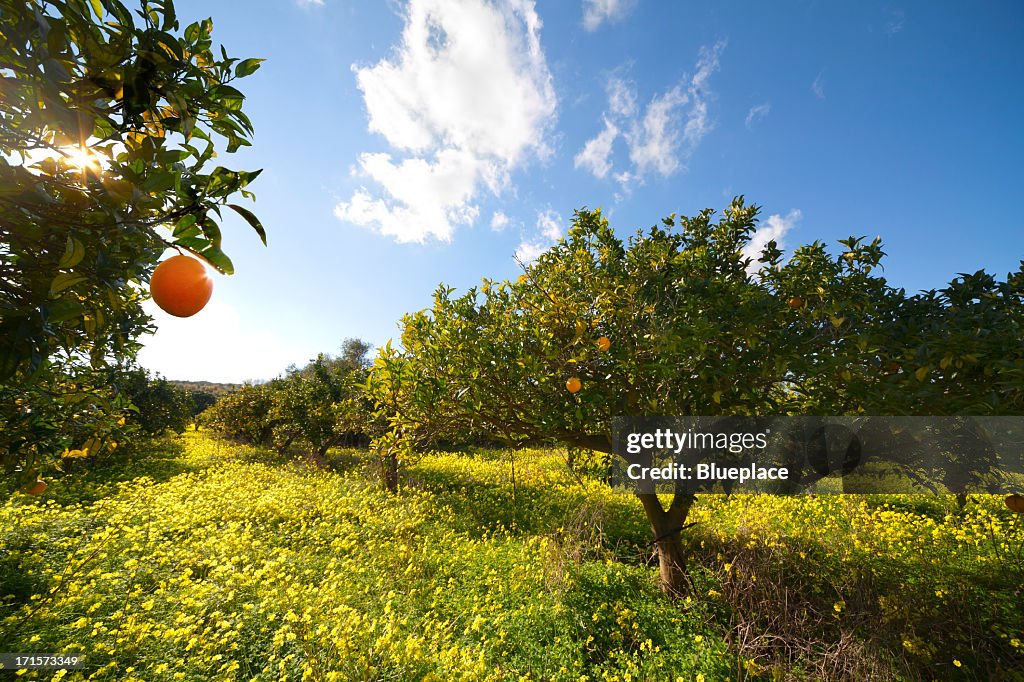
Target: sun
[81,157]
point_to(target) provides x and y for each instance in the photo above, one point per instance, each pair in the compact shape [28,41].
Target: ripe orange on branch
[573,385]
[181,286]
[796,303]
[604,343]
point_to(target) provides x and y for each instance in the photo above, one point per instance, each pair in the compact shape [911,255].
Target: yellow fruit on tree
[573,385]
[604,343]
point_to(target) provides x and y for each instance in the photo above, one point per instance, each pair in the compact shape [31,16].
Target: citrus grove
[441,509]
[393,565]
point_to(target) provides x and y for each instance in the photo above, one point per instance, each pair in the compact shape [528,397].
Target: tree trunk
[667,526]
[389,466]
[321,455]
[283,447]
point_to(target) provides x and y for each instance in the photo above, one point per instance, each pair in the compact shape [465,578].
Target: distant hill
[206,386]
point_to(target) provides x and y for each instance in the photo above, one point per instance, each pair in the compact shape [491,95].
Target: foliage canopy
[109,124]
[695,328]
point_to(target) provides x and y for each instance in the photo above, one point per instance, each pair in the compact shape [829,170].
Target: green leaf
[235,142]
[192,241]
[230,98]
[184,225]
[211,230]
[74,252]
[159,181]
[252,220]
[248,176]
[247,67]
[218,259]
[65,280]
[63,310]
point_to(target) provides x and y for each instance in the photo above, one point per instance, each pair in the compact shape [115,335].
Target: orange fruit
[604,343]
[1015,503]
[573,385]
[796,303]
[38,488]
[181,286]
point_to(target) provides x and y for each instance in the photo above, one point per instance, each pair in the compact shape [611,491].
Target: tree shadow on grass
[795,603]
[86,481]
[568,513]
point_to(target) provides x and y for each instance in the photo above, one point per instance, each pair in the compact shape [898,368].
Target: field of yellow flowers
[208,561]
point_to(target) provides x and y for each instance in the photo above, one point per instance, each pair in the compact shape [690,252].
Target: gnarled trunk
[667,526]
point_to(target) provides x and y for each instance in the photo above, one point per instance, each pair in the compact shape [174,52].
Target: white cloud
[549,225]
[697,123]
[530,251]
[894,22]
[234,349]
[595,153]
[672,126]
[499,221]
[707,65]
[652,143]
[774,228]
[467,97]
[428,198]
[625,177]
[621,97]
[756,113]
[548,231]
[310,3]
[596,12]
[818,86]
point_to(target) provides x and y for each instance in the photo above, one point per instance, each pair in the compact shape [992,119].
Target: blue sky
[405,144]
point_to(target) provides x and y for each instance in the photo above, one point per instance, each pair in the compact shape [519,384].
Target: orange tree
[248,415]
[321,405]
[109,124]
[691,330]
[158,405]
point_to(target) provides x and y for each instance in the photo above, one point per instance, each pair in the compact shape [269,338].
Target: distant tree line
[215,389]
[310,409]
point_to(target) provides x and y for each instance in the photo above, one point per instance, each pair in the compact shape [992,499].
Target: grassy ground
[206,561]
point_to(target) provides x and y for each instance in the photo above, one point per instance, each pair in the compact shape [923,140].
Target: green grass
[202,560]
